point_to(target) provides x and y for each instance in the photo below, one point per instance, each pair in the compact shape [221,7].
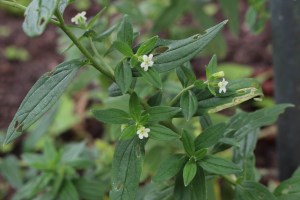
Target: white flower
[79,18]
[143,132]
[222,86]
[147,62]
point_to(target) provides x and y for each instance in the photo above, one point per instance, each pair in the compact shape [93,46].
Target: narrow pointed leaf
[217,165]
[189,172]
[188,143]
[128,132]
[212,67]
[123,48]
[112,116]
[135,107]
[44,93]
[125,32]
[181,51]
[147,46]
[159,132]
[151,76]
[123,76]
[161,113]
[189,104]
[169,168]
[126,169]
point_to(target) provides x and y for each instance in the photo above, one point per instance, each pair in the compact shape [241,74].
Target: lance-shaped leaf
[181,51]
[37,15]
[125,32]
[123,76]
[126,169]
[159,132]
[217,165]
[44,93]
[161,113]
[112,116]
[169,168]
[151,76]
[189,104]
[147,46]
[189,172]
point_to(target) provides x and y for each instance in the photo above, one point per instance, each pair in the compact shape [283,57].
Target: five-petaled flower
[147,62]
[222,86]
[143,132]
[79,18]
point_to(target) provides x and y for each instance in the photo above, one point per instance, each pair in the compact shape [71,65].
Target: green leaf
[128,132]
[169,168]
[135,107]
[106,33]
[147,46]
[199,84]
[112,116]
[156,99]
[186,74]
[188,143]
[194,191]
[151,76]
[37,15]
[159,132]
[123,47]
[68,191]
[200,154]
[210,136]
[44,93]
[189,172]
[89,189]
[125,32]
[95,18]
[212,67]
[189,104]
[62,5]
[161,113]
[181,51]
[249,190]
[126,169]
[217,165]
[10,170]
[123,76]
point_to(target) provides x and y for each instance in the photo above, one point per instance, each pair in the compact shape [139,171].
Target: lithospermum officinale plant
[184,175]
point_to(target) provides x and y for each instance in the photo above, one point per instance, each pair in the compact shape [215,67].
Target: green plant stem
[229,180]
[22,8]
[177,97]
[83,50]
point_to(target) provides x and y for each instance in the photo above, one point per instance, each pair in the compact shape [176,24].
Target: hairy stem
[177,97]
[83,50]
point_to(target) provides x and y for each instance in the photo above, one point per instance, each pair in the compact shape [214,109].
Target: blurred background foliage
[35,166]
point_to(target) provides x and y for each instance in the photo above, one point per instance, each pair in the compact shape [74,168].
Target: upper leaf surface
[44,93]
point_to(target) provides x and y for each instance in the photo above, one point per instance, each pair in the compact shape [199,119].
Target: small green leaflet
[123,48]
[188,143]
[189,104]
[181,51]
[210,136]
[212,67]
[147,46]
[126,169]
[169,168]
[151,76]
[123,76]
[125,32]
[161,113]
[128,132]
[189,172]
[217,165]
[135,107]
[249,190]
[44,93]
[37,15]
[112,116]
[159,132]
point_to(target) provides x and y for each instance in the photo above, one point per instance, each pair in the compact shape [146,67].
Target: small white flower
[143,132]
[79,18]
[147,62]
[222,86]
